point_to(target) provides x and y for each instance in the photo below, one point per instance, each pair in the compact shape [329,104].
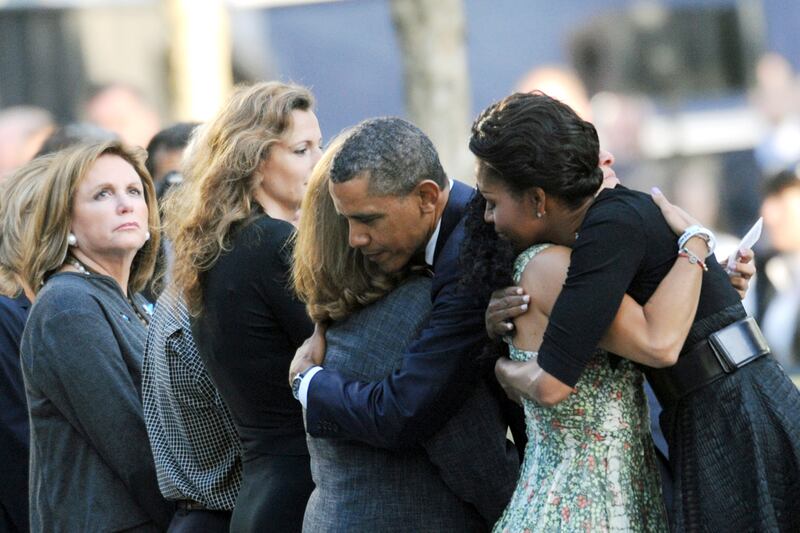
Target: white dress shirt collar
[430,248]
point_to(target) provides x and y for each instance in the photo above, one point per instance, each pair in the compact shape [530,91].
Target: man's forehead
[354,198]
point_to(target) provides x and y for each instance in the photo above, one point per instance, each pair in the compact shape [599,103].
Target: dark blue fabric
[14,435]
[437,372]
[200,520]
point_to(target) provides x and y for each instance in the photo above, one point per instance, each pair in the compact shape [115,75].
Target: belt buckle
[722,358]
[189,505]
[738,344]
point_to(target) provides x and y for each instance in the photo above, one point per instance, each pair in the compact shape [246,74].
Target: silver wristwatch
[298,379]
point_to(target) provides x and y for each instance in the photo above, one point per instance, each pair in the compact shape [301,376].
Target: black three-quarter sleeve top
[247,333]
[624,245]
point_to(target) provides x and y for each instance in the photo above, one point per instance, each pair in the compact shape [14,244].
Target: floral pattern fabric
[589,464]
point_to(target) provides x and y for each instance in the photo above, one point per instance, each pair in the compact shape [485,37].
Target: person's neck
[277,210]
[117,267]
[570,220]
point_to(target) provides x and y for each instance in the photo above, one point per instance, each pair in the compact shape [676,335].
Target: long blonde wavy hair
[333,279]
[220,178]
[19,193]
[44,243]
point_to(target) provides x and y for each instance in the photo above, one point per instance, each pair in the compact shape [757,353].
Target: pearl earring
[147,236]
[538,215]
[72,240]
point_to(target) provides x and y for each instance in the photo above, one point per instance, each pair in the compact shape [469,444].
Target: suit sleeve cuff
[304,384]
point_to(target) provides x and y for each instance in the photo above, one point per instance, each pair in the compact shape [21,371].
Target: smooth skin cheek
[109,212]
[285,172]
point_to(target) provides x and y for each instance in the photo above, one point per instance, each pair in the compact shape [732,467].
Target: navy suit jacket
[438,370]
[14,432]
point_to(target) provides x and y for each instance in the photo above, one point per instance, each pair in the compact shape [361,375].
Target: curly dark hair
[490,260]
[532,140]
[489,257]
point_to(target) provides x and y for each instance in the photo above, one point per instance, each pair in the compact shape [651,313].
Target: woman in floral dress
[590,463]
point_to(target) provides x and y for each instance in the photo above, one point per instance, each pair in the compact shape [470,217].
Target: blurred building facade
[669,79]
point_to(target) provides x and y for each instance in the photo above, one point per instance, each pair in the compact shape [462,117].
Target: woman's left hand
[677,218]
[743,270]
[310,353]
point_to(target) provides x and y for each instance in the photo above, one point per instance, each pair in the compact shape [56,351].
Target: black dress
[735,446]
[247,333]
[735,443]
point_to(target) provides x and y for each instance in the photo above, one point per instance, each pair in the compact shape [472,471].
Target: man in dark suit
[402,210]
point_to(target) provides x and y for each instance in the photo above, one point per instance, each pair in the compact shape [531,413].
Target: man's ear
[428,193]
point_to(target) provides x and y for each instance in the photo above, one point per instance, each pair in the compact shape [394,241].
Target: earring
[146,235]
[72,240]
[538,215]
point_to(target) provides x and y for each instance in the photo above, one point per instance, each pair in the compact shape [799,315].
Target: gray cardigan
[459,480]
[91,465]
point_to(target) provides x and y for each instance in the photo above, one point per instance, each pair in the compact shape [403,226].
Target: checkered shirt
[192,435]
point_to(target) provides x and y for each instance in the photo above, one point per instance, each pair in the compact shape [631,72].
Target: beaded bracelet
[693,259]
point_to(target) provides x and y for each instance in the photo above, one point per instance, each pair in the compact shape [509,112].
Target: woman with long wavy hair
[229,225]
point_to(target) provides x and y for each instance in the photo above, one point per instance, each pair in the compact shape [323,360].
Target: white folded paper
[749,239]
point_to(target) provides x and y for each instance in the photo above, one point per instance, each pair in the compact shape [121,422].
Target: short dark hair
[532,140]
[783,180]
[392,152]
[176,137]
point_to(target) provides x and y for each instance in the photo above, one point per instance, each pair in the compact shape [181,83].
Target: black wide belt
[722,353]
[189,505]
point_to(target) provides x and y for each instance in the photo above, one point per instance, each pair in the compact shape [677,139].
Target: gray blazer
[91,466]
[459,480]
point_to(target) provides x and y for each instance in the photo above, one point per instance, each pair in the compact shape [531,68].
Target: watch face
[298,379]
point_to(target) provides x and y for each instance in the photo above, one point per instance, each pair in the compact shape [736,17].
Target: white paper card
[749,239]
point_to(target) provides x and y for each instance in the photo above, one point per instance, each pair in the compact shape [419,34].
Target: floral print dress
[589,464]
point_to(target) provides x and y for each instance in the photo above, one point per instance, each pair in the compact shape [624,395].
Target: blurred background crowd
[698,97]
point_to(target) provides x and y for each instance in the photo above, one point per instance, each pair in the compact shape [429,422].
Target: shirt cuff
[304,383]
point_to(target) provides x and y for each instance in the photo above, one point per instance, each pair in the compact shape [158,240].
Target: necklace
[136,310]
[80,267]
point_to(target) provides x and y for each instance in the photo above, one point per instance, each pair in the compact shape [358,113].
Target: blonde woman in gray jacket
[92,248]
